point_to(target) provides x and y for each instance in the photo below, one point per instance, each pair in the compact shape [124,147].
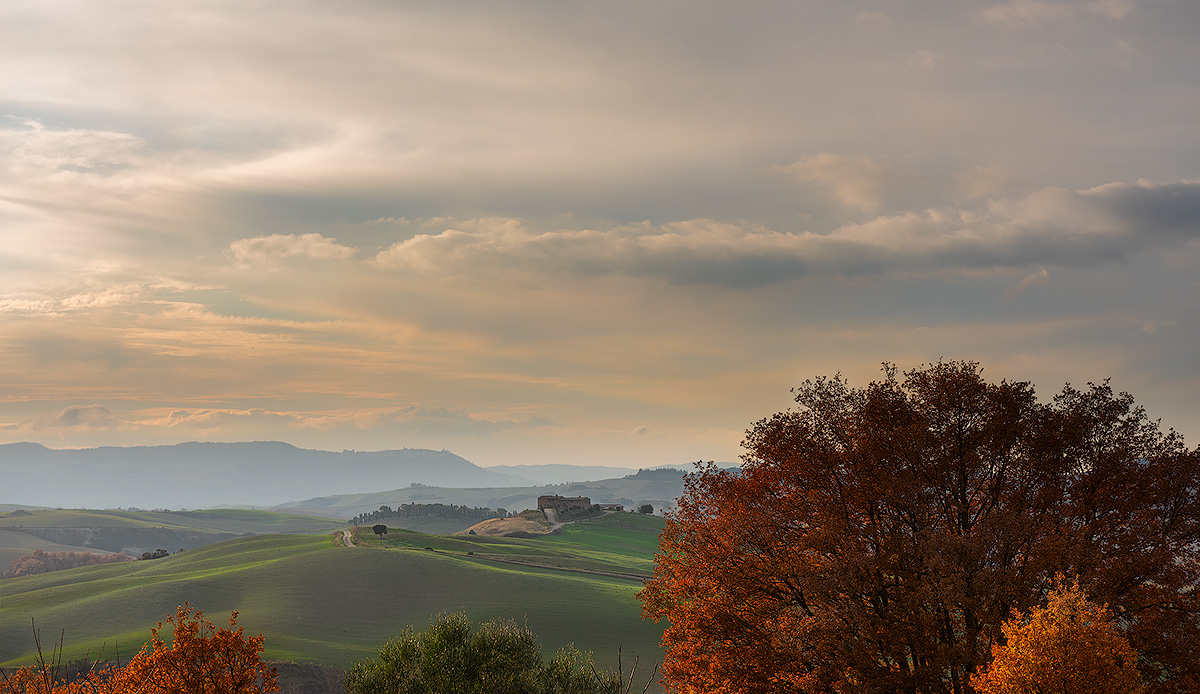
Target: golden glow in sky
[537,232]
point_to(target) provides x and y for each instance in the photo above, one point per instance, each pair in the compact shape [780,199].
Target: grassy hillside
[621,543]
[91,530]
[319,603]
[216,520]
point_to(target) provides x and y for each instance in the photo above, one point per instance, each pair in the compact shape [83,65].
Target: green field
[316,602]
[215,520]
[78,530]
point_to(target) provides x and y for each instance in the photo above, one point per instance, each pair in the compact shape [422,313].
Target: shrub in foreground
[497,658]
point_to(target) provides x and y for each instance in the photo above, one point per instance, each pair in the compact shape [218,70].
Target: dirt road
[348,538]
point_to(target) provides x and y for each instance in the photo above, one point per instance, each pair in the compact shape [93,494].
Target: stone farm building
[564,503]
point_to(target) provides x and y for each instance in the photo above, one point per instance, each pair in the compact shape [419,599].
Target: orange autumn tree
[1070,646]
[876,538]
[201,659]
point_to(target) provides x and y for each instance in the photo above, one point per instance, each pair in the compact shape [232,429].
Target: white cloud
[856,181]
[78,417]
[1151,327]
[1024,14]
[876,18]
[1033,278]
[272,250]
[91,294]
[35,151]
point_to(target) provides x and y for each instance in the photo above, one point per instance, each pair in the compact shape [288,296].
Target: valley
[317,601]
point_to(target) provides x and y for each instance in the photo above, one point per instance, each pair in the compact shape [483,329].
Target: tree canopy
[876,539]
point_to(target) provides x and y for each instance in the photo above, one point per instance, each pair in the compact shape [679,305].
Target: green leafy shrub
[497,658]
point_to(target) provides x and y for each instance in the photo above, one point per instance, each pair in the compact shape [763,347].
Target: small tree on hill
[379,529]
[645,509]
[1070,646]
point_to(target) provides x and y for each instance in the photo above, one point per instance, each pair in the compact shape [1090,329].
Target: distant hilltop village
[572,503]
[563,503]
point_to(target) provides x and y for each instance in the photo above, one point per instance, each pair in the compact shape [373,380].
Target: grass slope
[319,603]
[101,531]
[214,520]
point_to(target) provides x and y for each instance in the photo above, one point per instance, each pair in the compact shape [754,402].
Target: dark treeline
[386,513]
[39,562]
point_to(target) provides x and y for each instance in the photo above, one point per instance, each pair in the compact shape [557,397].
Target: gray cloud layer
[1049,227]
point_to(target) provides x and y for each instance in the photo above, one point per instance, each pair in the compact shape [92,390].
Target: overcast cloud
[546,232]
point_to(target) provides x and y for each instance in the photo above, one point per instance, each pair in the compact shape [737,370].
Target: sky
[611,233]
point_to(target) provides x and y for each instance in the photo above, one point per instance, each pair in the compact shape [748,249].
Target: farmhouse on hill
[563,503]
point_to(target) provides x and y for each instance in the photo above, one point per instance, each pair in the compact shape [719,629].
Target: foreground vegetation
[499,657]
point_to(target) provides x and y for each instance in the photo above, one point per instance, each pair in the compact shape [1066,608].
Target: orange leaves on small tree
[1070,646]
[201,659]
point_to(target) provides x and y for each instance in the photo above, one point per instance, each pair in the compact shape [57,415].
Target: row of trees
[40,562]
[877,539]
[429,511]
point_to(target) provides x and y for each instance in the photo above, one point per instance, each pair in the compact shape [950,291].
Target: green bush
[497,658]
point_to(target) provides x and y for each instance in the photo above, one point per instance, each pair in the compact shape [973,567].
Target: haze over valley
[262,474]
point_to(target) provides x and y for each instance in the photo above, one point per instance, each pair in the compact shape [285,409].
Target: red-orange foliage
[1070,646]
[876,539]
[40,562]
[201,659]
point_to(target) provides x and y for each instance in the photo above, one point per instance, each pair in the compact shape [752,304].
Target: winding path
[348,538]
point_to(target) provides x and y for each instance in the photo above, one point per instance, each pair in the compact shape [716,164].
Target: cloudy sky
[611,232]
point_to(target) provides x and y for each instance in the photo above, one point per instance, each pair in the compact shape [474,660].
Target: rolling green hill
[134,532]
[316,602]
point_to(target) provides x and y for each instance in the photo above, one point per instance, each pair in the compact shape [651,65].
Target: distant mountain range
[270,473]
